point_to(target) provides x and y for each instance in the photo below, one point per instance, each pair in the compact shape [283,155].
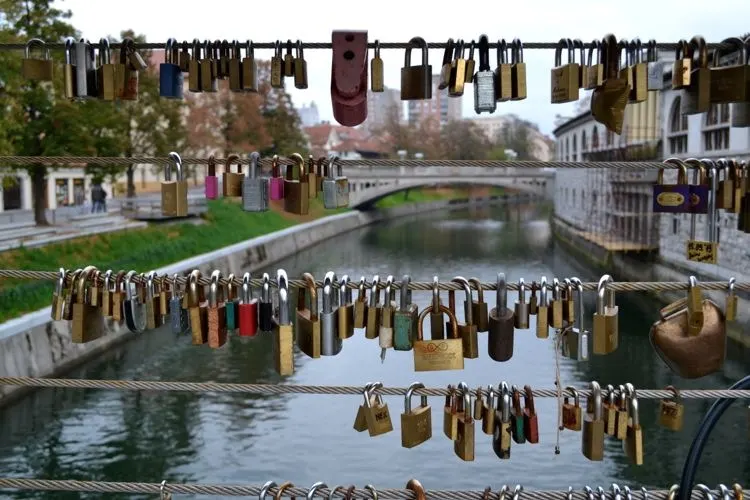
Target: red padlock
[349,77]
[248,309]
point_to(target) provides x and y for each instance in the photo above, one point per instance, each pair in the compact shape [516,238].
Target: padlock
[521,313]
[308,321]
[501,436]
[232,181]
[377,83]
[296,191]
[174,202]
[85,71]
[595,71]
[696,98]
[484,80]
[234,67]
[542,311]
[682,66]
[575,343]
[405,318]
[479,311]
[564,77]
[179,318]
[608,101]
[638,72]
[346,309]
[416,81]
[464,444]
[335,185]
[655,67]
[583,67]
[275,182]
[518,71]
[288,60]
[134,309]
[38,69]
[87,320]
[171,79]
[108,73]
[223,59]
[70,87]
[254,189]
[277,67]
[129,77]
[249,69]
[501,324]
[300,67]
[231,304]
[468,329]
[439,354]
[152,301]
[457,76]
[672,198]
[606,325]
[730,83]
[216,313]
[248,309]
[377,416]
[194,68]
[470,63]
[212,182]
[209,79]
[503,77]
[416,423]
[265,306]
[330,341]
[445,68]
[185,57]
[592,440]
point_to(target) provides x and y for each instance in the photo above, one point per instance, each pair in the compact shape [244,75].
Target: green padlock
[405,318]
[516,417]
[232,304]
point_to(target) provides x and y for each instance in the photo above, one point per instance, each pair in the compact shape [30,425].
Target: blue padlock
[170,75]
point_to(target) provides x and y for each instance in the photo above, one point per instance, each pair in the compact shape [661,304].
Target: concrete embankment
[34,346]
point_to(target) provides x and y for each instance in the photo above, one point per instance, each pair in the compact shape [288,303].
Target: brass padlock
[300,68]
[232,181]
[174,202]
[37,68]
[416,81]
[249,69]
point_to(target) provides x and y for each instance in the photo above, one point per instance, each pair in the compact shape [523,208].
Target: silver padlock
[134,308]
[254,188]
[330,342]
[335,185]
[575,344]
[484,80]
[385,326]
[655,67]
[85,70]
[179,319]
[521,317]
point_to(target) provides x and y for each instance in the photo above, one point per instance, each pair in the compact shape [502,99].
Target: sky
[398,21]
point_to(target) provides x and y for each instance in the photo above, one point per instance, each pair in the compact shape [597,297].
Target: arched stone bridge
[367,185]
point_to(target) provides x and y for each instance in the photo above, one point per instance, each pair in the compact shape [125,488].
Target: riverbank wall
[627,268]
[34,346]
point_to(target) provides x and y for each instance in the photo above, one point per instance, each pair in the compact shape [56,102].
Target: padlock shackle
[516,51]
[36,42]
[483,46]
[447,54]
[374,291]
[611,56]
[130,290]
[177,160]
[623,46]
[596,395]
[308,290]
[637,48]
[505,404]
[501,295]
[579,320]
[404,294]
[283,284]
[604,297]
[333,160]
[249,49]
[126,46]
[467,293]
[196,46]
[651,51]
[151,277]
[211,166]
[633,404]
[233,158]
[409,392]
[578,44]
[521,290]
[682,177]
[563,43]
[80,283]
[419,42]
[107,280]
[254,164]
[596,45]
[299,162]
[298,50]
[698,52]
[516,399]
[361,295]
[265,289]
[388,289]
[376,49]
[435,293]
[442,309]
[60,283]
[555,289]
[171,51]
[330,281]
[230,288]
[528,399]
[327,293]
[458,51]
[502,52]
[713,183]
[104,52]
[246,293]
[345,293]
[573,393]
[543,300]
[478,286]
[737,45]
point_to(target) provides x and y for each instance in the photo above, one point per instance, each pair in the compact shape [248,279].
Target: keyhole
[348,55]
[349,37]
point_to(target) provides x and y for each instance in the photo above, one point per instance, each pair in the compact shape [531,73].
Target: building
[64,187]
[380,105]
[707,135]
[493,125]
[308,115]
[442,108]
[610,208]
[346,142]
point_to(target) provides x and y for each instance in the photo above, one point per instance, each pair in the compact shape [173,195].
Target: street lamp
[401,154]
[418,156]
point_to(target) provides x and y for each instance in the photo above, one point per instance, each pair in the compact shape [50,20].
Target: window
[594,139]
[716,128]
[574,197]
[583,199]
[678,126]
[575,148]
[610,137]
[584,144]
[567,148]
[675,225]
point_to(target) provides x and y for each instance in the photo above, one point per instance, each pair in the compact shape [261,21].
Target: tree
[33,122]
[463,140]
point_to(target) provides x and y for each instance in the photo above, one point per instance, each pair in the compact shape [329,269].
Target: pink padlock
[212,182]
[276,183]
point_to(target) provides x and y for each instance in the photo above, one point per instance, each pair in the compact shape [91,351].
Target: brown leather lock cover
[349,77]
[691,357]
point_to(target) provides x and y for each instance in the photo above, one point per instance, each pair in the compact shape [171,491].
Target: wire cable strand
[163,160]
[169,386]
[422,286]
[254,490]
[328,45]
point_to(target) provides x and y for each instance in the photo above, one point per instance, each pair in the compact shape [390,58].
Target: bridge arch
[365,199]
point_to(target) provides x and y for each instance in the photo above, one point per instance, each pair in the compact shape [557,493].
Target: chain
[163,160]
[422,286]
[160,385]
[325,492]
[372,45]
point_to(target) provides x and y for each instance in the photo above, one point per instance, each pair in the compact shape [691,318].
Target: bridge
[368,184]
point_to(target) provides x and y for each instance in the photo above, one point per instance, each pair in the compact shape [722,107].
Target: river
[238,438]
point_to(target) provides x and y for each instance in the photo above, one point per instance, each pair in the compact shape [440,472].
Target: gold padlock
[233,180]
[174,201]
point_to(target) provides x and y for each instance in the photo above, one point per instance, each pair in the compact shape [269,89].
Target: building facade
[611,208]
[309,115]
[64,187]
[380,107]
[441,108]
[706,135]
[493,125]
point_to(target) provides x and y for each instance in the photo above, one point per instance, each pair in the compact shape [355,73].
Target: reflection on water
[241,438]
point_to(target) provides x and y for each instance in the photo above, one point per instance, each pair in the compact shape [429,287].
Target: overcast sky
[397,21]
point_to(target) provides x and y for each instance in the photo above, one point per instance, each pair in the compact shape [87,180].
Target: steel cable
[160,385]
[423,286]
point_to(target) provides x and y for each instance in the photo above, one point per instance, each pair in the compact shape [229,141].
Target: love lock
[349,77]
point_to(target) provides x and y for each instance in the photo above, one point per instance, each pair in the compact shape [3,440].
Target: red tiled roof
[318,135]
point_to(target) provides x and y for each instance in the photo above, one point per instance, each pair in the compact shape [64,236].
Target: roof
[576,120]
[351,139]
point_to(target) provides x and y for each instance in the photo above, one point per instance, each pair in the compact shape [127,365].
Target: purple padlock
[275,183]
[212,182]
[699,189]
[672,198]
